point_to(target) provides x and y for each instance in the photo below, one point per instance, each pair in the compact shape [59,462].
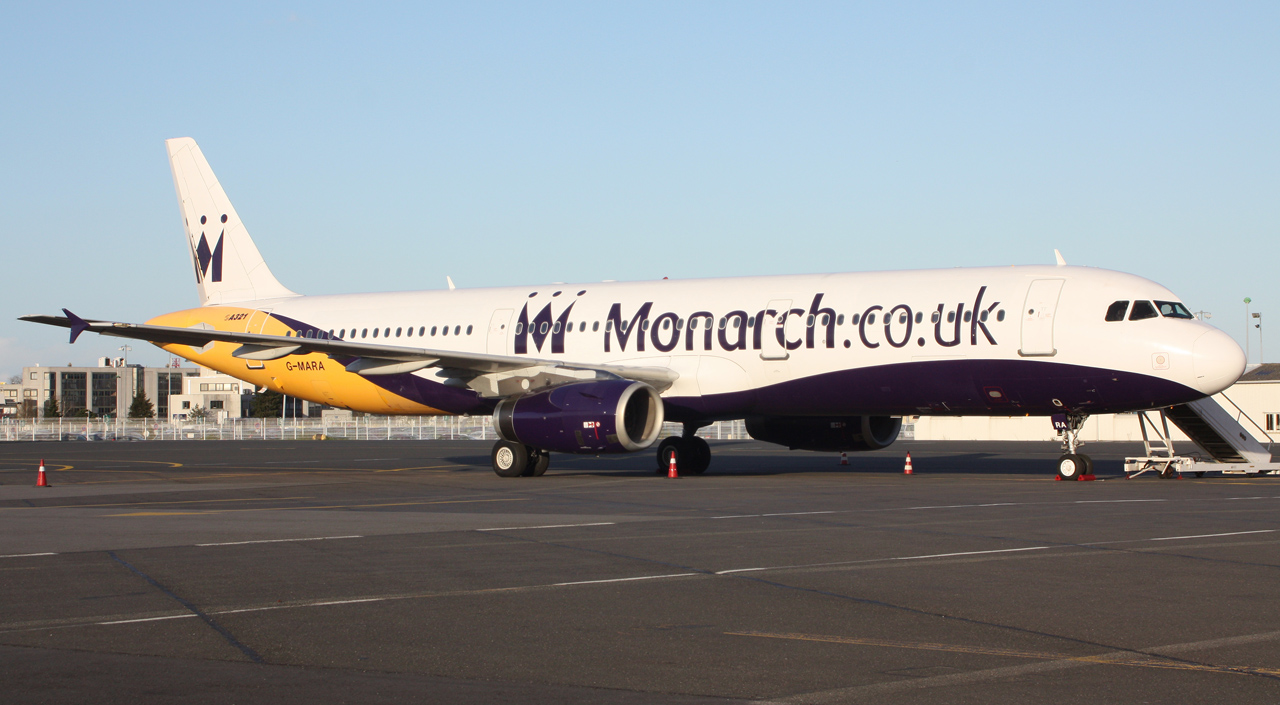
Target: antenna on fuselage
[1058,256]
[450,280]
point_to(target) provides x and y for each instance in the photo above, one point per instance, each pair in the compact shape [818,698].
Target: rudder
[228,266]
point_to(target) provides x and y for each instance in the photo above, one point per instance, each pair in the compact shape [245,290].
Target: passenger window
[433,331]
[375,332]
[582,327]
[1115,312]
[1142,310]
[595,326]
[457,330]
[444,330]
[408,332]
[387,332]
[421,330]
[840,320]
[398,331]
[1173,309]
[468,330]
[364,332]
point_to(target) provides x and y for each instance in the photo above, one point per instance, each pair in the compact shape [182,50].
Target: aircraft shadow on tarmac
[748,458]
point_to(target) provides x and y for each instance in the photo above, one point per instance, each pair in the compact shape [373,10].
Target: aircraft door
[256,323]
[498,325]
[1037,318]
[772,328]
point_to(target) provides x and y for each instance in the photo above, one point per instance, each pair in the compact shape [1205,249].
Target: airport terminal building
[105,390]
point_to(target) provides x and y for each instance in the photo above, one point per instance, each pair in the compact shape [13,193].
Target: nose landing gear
[1072,465]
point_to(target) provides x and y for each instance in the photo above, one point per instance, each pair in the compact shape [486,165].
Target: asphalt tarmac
[387,572]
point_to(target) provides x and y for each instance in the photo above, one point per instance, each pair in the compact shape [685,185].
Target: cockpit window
[1142,310]
[1173,309]
[1115,312]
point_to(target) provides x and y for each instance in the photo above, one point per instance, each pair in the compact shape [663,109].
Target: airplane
[826,362]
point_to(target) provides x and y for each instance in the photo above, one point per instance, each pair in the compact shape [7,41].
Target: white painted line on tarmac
[549,526]
[1116,501]
[625,580]
[974,553]
[736,516]
[27,555]
[1207,536]
[314,538]
[791,514]
[147,619]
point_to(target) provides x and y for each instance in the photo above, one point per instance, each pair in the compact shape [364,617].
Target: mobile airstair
[1224,444]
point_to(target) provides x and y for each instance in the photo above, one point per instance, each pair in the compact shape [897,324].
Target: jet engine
[827,433]
[606,416]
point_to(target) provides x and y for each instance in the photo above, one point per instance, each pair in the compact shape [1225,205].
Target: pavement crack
[221,630]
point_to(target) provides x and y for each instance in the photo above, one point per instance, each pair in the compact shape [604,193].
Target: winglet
[450,280]
[1058,256]
[78,325]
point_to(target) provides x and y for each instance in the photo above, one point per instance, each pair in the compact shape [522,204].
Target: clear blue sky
[383,147]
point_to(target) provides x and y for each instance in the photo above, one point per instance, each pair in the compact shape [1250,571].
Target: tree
[28,409]
[198,413]
[267,405]
[51,409]
[15,379]
[141,407]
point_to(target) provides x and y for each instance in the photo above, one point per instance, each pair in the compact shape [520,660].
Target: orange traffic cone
[671,469]
[42,481]
[906,469]
[844,458]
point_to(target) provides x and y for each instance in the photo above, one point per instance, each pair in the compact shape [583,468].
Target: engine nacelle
[826,433]
[609,416]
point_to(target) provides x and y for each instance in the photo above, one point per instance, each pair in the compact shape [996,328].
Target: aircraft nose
[1217,361]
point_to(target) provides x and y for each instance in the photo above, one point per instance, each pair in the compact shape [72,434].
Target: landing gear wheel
[510,459]
[665,448]
[1088,463]
[1168,472]
[1070,467]
[1199,473]
[539,460]
[699,455]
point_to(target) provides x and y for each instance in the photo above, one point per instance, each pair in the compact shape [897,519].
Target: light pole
[1247,301]
[1262,354]
[1203,315]
[126,350]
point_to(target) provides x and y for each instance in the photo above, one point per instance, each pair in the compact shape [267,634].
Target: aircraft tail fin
[228,266]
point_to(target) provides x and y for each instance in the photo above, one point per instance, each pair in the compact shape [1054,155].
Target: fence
[372,428]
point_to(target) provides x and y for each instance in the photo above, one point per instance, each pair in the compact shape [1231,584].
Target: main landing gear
[1072,464]
[519,460]
[693,455]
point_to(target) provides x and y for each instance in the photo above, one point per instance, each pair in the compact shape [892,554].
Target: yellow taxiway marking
[424,467]
[331,506]
[1113,659]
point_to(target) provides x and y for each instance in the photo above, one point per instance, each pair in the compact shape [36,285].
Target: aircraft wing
[491,375]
